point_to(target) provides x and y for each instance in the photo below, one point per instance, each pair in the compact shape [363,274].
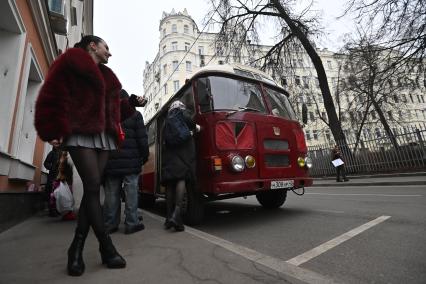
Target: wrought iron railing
[369,156]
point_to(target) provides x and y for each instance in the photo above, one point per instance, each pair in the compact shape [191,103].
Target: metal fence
[375,155]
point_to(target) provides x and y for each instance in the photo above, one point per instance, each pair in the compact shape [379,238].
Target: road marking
[273,263]
[366,194]
[304,257]
[330,211]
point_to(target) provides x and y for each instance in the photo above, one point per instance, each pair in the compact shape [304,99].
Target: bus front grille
[271,144]
[276,160]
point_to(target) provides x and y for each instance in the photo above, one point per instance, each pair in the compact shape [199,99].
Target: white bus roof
[237,69]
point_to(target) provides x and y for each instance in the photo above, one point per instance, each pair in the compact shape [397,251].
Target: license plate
[282,184]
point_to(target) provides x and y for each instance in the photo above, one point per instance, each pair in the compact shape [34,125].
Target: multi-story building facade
[32,34]
[183,49]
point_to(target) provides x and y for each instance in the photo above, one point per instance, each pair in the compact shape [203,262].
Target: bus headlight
[237,163]
[309,163]
[301,162]
[250,161]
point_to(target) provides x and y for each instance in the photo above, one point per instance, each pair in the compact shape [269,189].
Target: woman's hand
[137,101]
[142,101]
[56,142]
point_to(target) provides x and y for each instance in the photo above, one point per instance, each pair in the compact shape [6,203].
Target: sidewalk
[35,252]
[418,178]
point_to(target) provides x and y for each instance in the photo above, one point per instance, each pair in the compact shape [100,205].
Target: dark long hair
[86,40]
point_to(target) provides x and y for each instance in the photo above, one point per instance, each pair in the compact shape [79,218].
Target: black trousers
[340,172]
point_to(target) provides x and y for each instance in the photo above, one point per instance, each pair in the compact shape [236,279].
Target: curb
[374,176]
[380,183]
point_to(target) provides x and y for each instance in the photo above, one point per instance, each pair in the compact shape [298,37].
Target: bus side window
[151,133]
[188,99]
[204,94]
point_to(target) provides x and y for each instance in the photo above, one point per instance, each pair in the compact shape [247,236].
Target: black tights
[175,194]
[90,165]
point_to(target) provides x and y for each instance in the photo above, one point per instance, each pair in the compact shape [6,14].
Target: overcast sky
[130,28]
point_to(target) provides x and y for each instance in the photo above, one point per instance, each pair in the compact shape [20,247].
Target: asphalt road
[349,234]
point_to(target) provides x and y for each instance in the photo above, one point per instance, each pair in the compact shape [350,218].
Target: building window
[311,116]
[174,45]
[305,80]
[56,6]
[308,135]
[283,81]
[165,88]
[329,64]
[188,66]
[73,16]
[378,133]
[175,65]
[175,86]
[201,50]
[315,134]
[165,69]
[297,80]
[186,29]
[174,28]
[327,134]
[187,46]
[300,61]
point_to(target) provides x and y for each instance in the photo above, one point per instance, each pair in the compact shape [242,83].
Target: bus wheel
[272,199]
[194,207]
[146,200]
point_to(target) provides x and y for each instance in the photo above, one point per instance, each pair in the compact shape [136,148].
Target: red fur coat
[78,96]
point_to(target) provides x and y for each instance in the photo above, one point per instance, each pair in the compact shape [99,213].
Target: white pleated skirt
[101,140]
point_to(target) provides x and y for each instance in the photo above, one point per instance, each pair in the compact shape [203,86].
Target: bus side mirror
[304,113]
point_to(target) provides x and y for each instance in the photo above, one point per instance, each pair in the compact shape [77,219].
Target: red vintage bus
[250,141]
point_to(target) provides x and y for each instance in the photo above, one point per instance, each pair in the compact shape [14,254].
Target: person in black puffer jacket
[123,169]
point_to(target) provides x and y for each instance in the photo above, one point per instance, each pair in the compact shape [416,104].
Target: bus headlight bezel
[308,162]
[237,163]
[250,161]
[301,162]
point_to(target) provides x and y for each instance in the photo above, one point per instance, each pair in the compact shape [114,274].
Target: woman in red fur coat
[79,108]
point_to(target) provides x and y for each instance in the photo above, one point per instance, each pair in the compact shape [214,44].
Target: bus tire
[194,207]
[146,200]
[272,199]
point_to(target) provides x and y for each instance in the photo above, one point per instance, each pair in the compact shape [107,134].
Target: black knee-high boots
[76,265]
[110,257]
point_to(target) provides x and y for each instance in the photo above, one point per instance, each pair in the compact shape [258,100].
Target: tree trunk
[385,124]
[379,110]
[334,122]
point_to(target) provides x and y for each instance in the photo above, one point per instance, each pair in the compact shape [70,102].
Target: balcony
[58,20]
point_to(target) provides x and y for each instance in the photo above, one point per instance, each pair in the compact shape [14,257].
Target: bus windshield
[280,104]
[219,93]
